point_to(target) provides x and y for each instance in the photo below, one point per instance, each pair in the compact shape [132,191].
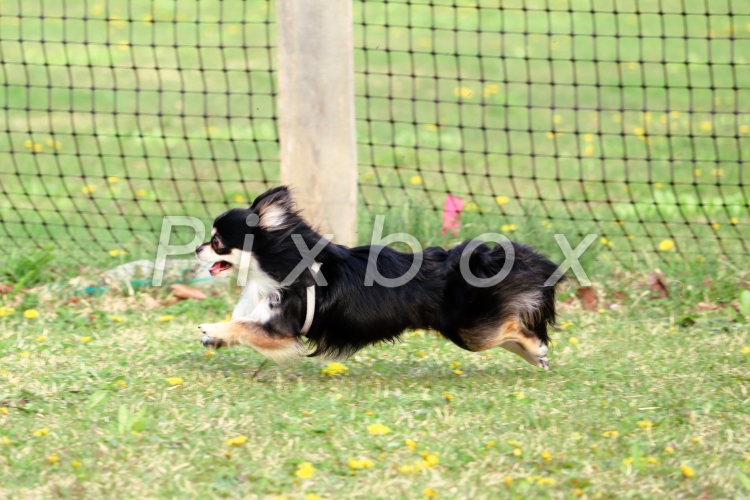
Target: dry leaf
[619,295]
[707,282]
[6,288]
[187,292]
[588,298]
[706,306]
[657,283]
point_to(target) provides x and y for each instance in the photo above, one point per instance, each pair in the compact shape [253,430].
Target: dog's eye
[216,243]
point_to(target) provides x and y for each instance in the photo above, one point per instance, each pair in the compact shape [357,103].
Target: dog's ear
[275,208]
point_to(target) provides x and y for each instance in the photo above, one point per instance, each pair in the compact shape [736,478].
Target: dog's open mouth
[218,267]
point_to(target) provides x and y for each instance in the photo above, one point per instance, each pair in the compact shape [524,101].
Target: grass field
[574,112]
[105,398]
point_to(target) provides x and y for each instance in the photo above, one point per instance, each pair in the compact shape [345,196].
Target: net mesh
[628,118]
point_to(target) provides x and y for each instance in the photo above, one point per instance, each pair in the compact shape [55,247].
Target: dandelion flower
[25,354]
[431,127]
[430,493]
[687,471]
[588,151]
[334,369]
[573,340]
[653,461]
[378,429]
[88,189]
[411,444]
[166,318]
[464,92]
[546,481]
[174,380]
[706,126]
[40,432]
[238,198]
[565,325]
[312,496]
[611,434]
[578,492]
[421,354]
[666,245]
[141,193]
[235,441]
[5,440]
[745,350]
[429,460]
[645,424]
[357,464]
[455,364]
[501,200]
[30,313]
[546,456]
[508,480]
[305,470]
[85,340]
[517,452]
[416,180]
[458,372]
[41,338]
[75,464]
[4,411]
[448,396]
[6,311]
[627,461]
[28,143]
[491,90]
[121,383]
[734,221]
[489,444]
[53,459]
[38,148]
[409,469]
[114,253]
[669,450]
[209,354]
[508,227]
[519,395]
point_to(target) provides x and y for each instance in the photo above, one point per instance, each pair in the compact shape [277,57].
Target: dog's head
[269,218]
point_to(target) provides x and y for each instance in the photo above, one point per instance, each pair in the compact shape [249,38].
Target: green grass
[651,153]
[660,373]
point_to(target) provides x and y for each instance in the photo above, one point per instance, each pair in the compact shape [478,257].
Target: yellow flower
[550,135]
[409,469]
[123,45]
[508,480]
[369,413]
[491,90]
[238,198]
[141,192]
[148,19]
[30,313]
[517,452]
[4,411]
[416,180]
[639,131]
[116,319]
[448,396]
[411,444]
[6,311]
[28,143]
[305,470]
[611,434]
[687,471]
[112,179]
[668,450]
[717,171]
[84,339]
[515,444]
[576,436]
[421,354]
[706,126]
[429,460]
[557,119]
[377,429]
[734,221]
[464,92]
[489,444]
[508,227]
[429,493]
[115,252]
[166,318]
[25,354]
[653,461]
[698,172]
[334,369]
[53,459]
[588,138]
[519,395]
[360,464]
[121,383]
[339,396]
[40,432]
[745,350]
[41,338]
[75,464]
[88,189]
[209,354]
[174,380]
[501,200]
[455,364]
[458,372]
[588,151]
[5,440]
[546,481]
[645,424]
[546,456]
[573,340]
[565,325]
[38,148]
[236,441]
[578,492]
[666,245]
[431,127]
[659,185]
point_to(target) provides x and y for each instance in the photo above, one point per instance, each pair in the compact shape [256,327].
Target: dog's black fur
[349,316]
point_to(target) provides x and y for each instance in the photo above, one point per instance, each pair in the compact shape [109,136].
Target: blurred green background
[628,119]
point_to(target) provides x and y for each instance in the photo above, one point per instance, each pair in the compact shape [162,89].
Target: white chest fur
[257,294]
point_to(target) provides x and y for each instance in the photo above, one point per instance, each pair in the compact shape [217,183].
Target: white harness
[310,301]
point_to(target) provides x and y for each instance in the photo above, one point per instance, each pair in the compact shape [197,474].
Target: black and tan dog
[283,319]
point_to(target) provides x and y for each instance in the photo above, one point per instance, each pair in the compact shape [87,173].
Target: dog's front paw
[207,340]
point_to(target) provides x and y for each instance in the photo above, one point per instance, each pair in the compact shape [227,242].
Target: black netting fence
[628,118]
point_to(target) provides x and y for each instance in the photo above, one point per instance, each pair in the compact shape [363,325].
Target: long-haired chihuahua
[341,299]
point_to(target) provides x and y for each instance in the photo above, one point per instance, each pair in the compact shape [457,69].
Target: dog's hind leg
[279,348]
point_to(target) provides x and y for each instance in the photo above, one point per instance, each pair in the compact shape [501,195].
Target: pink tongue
[218,266]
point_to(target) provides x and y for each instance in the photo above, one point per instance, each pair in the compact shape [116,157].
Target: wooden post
[316,112]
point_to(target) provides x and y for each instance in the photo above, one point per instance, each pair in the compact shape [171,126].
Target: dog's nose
[198,248]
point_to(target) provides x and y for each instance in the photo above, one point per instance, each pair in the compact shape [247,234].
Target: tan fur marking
[513,337]
[250,334]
